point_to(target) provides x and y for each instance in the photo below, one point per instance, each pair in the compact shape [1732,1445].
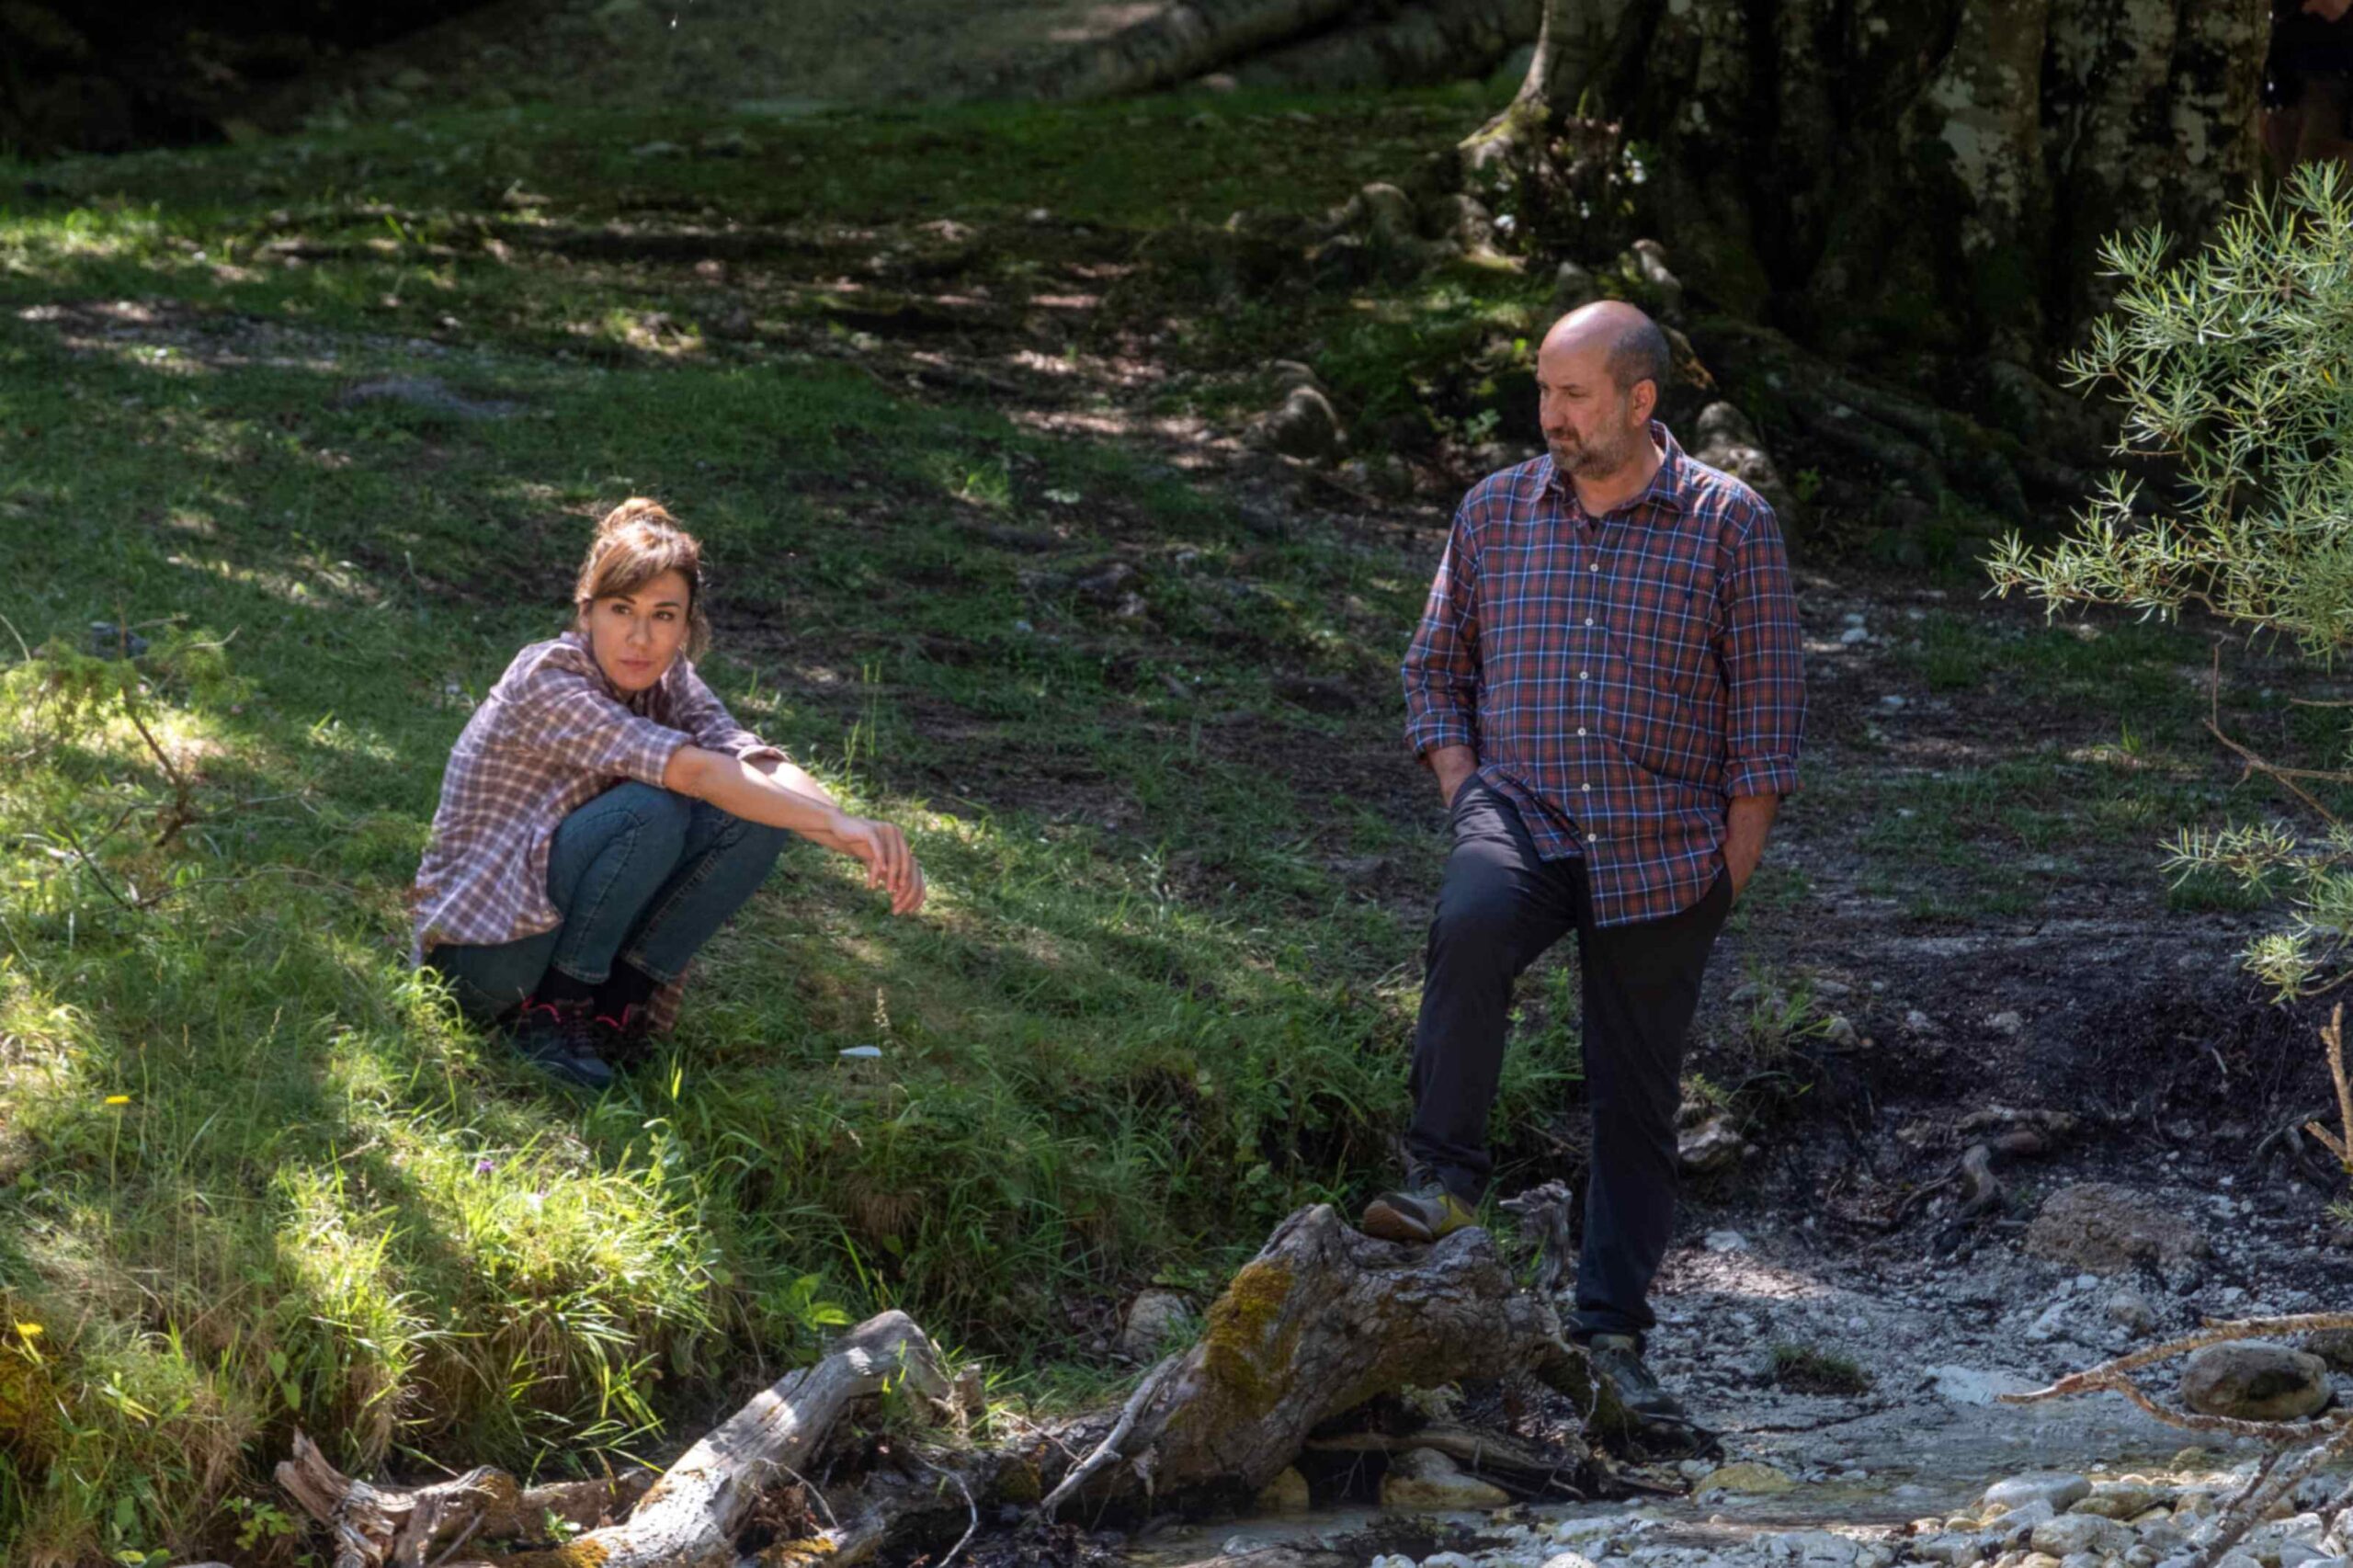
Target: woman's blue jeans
[641,874]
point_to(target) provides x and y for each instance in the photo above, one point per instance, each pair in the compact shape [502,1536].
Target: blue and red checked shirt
[1620,678]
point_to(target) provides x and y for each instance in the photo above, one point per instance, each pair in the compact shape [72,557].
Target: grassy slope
[253,1174]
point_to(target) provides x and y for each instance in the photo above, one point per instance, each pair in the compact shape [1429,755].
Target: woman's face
[635,635]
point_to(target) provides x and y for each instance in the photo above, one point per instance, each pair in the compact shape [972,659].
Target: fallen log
[691,1517]
[688,1519]
[403,1527]
[1323,1320]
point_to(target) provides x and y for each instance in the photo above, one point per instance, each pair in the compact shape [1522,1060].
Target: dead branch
[398,1527]
[692,1515]
[2286,776]
[2340,1145]
[2110,1376]
[1486,1452]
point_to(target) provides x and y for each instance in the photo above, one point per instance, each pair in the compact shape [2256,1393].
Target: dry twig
[2338,1145]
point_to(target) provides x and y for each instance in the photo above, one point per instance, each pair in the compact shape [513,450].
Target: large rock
[1747,1476]
[1572,286]
[1158,1322]
[1821,1549]
[2334,1345]
[1304,425]
[2060,1489]
[1723,438]
[2072,1533]
[1425,1480]
[2250,1381]
[2104,1228]
[1714,1145]
[2120,1500]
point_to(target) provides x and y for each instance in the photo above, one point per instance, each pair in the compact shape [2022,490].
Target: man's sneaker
[559,1038]
[1618,1357]
[1424,1212]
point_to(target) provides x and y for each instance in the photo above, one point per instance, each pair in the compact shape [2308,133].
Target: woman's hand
[889,863]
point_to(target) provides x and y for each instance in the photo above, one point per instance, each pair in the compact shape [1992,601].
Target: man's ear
[1644,400]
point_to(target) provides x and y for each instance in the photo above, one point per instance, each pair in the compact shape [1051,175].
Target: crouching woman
[603,815]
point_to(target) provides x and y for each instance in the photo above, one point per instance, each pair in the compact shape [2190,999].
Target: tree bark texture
[1930,176]
[1321,1321]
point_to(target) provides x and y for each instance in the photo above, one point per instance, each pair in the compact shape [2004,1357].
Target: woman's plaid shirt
[1622,678]
[553,735]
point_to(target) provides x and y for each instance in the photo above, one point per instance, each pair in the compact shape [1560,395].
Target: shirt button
[1587,787]
[1594,567]
[1583,675]
[1589,621]
[1580,729]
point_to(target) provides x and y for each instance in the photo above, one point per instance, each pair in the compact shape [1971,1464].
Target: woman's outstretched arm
[790,800]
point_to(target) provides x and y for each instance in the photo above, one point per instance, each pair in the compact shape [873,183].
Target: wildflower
[485,1166]
[117,1099]
[29,1331]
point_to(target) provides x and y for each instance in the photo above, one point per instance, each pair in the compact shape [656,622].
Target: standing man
[1606,685]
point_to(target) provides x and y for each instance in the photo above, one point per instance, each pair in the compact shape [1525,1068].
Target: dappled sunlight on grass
[1143,1018]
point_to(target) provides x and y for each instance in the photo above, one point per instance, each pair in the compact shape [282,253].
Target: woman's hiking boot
[1423,1210]
[560,1039]
[625,1041]
[1618,1357]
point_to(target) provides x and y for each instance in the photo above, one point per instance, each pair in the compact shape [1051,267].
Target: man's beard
[1588,460]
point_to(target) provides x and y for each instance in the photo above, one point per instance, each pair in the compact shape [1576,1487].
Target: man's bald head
[1590,381]
[1632,347]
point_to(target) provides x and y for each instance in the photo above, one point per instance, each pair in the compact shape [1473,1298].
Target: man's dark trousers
[1500,906]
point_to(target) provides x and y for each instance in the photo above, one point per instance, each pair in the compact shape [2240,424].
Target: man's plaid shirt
[553,735]
[1620,679]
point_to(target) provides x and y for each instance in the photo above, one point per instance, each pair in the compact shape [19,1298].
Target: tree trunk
[1888,182]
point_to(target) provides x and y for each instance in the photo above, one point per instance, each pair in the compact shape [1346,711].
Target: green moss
[1019,1482]
[1243,1361]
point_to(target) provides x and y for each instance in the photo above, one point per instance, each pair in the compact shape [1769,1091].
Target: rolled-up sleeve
[1441,667]
[701,714]
[1763,664]
[562,712]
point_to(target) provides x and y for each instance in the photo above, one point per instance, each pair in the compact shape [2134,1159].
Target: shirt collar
[1665,490]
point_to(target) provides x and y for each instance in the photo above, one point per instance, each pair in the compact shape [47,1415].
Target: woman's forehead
[670,586]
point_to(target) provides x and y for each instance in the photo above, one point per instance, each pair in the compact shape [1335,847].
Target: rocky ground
[1923,1465]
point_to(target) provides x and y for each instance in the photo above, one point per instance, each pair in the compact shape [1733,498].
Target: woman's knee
[660,815]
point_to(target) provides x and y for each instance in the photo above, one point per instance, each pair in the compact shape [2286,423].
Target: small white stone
[1727,1241]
